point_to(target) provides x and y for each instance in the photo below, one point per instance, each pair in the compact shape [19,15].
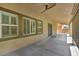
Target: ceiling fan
[48,6]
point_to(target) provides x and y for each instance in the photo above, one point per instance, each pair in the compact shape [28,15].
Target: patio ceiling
[59,13]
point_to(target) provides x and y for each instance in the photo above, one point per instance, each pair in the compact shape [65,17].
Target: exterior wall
[75,28]
[70,29]
[11,45]
[59,28]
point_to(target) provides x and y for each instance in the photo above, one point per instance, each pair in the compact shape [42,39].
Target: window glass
[39,27]
[5,19]
[39,30]
[9,25]
[39,24]
[26,26]
[13,30]
[13,20]
[33,26]
[5,31]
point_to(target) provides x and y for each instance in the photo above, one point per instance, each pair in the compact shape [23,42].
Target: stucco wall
[70,29]
[75,28]
[11,45]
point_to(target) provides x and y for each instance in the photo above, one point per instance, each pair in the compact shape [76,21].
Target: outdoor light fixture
[48,6]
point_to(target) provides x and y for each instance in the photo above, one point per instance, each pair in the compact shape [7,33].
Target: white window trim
[25,18]
[10,14]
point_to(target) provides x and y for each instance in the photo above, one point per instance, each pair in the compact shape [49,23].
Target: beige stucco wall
[70,29]
[75,28]
[59,28]
[11,45]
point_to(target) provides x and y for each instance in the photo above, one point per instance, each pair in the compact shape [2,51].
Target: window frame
[25,18]
[31,20]
[40,27]
[10,25]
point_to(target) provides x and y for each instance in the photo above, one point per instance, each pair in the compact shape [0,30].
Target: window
[39,27]
[5,19]
[33,26]
[13,30]
[26,26]
[5,31]
[9,24]
[13,20]
[29,26]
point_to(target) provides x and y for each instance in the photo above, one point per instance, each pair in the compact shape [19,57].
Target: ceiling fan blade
[48,7]
[43,11]
[51,6]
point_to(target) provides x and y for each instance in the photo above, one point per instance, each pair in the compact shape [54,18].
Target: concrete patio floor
[55,46]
